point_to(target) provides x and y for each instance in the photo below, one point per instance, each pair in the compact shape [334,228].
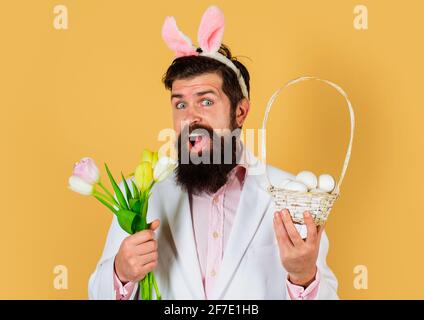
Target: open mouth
[198,142]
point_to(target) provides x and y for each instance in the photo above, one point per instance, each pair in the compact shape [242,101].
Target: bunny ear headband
[209,36]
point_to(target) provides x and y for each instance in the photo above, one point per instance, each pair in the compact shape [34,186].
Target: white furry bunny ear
[176,40]
[211,30]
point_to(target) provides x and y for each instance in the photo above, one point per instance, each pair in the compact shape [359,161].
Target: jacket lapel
[254,202]
[180,223]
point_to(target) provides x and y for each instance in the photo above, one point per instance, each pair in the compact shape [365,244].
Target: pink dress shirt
[213,215]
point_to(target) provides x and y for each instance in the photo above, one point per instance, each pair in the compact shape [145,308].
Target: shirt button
[215,234]
[216,200]
[213,273]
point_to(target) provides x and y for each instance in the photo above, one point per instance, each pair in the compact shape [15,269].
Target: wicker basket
[318,204]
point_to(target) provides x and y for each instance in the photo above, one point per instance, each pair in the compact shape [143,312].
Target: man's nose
[192,114]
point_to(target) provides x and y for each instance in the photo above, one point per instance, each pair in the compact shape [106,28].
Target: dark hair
[191,66]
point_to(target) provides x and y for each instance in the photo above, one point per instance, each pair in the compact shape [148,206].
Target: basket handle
[352,123]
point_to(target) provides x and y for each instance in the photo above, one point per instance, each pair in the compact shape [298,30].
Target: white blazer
[251,266]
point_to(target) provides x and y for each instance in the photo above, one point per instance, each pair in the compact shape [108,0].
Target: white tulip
[80,186]
[163,168]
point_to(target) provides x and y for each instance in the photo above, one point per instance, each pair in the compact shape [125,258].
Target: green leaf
[135,205]
[144,205]
[158,296]
[136,224]
[132,202]
[118,192]
[136,194]
[107,204]
[127,190]
[126,219]
[143,196]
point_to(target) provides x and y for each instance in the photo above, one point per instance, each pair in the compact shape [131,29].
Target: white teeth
[194,135]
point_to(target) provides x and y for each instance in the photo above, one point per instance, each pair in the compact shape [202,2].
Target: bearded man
[214,232]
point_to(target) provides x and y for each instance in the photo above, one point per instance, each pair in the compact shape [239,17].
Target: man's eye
[207,102]
[180,105]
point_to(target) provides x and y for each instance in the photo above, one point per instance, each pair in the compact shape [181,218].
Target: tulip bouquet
[131,209]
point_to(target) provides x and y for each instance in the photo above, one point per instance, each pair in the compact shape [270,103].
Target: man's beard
[216,161]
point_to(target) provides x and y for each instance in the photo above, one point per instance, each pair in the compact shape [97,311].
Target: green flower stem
[148,295]
[144,288]
[141,288]
[103,196]
[148,283]
[158,296]
[105,201]
[150,286]
[108,193]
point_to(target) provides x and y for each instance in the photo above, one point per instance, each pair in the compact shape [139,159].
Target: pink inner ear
[211,30]
[175,39]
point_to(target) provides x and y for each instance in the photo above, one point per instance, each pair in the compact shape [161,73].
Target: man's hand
[137,255]
[298,256]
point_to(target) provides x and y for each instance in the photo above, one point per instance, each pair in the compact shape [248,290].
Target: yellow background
[95,90]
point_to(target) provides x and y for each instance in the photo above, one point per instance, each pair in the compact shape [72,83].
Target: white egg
[326,182]
[317,190]
[282,183]
[296,186]
[308,179]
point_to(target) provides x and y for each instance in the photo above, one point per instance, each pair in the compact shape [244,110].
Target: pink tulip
[87,170]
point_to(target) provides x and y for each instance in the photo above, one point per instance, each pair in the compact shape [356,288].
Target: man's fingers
[320,231]
[311,227]
[280,232]
[150,257]
[150,266]
[294,235]
[155,224]
[142,236]
[146,247]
